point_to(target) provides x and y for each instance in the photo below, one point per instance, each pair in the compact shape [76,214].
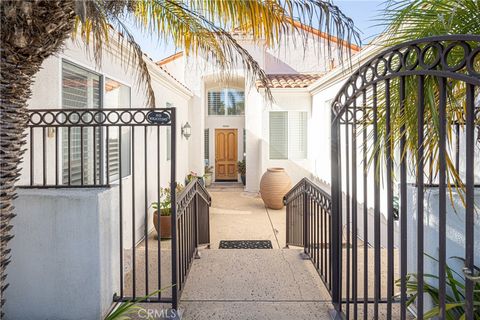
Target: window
[297,135]
[226,102]
[82,89]
[278,135]
[117,96]
[207,146]
[288,135]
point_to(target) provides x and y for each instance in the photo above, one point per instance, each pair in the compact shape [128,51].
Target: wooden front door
[226,154]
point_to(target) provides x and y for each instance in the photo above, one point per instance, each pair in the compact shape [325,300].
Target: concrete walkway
[254,284]
[251,284]
[239,215]
[247,284]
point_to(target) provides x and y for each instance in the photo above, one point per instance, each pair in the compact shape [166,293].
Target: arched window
[226,102]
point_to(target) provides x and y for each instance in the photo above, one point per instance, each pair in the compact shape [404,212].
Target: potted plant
[242,170]
[208,175]
[165,207]
[193,175]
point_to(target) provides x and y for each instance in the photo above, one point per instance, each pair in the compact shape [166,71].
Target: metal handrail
[308,220]
[191,230]
[304,183]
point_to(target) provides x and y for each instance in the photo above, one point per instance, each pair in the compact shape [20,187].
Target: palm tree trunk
[31,32]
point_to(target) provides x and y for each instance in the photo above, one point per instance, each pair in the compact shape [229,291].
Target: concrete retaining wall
[64,254]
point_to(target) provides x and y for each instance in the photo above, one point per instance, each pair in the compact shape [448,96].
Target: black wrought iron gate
[405,167]
[132,153]
[397,125]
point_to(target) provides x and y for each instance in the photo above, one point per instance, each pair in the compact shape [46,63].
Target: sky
[363,13]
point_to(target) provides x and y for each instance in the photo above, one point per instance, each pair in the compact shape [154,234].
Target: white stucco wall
[287,100]
[254,104]
[292,55]
[200,74]
[176,68]
[64,254]
[324,92]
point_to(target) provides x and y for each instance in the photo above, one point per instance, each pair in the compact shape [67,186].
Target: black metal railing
[122,149]
[392,87]
[192,229]
[88,147]
[308,223]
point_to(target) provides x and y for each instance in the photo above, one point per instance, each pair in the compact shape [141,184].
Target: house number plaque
[158,117]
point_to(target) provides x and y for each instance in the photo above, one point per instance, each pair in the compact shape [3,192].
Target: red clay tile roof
[290,80]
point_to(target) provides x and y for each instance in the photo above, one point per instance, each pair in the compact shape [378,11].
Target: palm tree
[34,30]
[412,20]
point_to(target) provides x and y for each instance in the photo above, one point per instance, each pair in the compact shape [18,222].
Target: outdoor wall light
[187,130]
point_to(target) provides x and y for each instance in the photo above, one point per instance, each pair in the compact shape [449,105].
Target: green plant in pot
[208,175]
[242,170]
[192,176]
[165,207]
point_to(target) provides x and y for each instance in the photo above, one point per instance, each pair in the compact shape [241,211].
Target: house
[84,183]
[81,184]
[64,228]
[234,120]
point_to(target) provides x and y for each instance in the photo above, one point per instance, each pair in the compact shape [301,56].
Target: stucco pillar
[253,125]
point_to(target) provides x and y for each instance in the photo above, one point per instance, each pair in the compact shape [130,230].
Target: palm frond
[408,20]
[411,20]
[202,27]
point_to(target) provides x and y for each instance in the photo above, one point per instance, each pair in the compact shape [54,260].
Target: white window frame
[206,136]
[104,77]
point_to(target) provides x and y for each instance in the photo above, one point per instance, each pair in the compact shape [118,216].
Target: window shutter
[207,146]
[216,105]
[297,135]
[278,135]
[80,89]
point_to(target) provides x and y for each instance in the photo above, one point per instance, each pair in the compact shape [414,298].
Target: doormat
[245,244]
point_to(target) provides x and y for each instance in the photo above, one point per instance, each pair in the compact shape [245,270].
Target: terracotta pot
[165,225]
[274,185]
